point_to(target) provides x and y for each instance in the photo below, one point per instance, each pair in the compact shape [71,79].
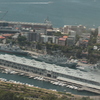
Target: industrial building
[89,79]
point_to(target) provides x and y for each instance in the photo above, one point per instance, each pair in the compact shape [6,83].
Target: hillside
[11,91]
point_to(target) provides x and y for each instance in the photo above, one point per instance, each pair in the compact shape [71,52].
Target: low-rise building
[33,36]
[73,33]
[50,32]
[66,29]
[71,40]
[62,41]
[83,42]
[7,35]
[83,78]
[1,38]
[85,35]
[98,38]
[78,29]
[46,38]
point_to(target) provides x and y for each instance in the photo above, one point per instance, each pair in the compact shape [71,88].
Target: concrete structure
[42,31]
[78,29]
[1,38]
[7,35]
[87,79]
[83,42]
[27,24]
[15,36]
[50,32]
[72,33]
[11,31]
[66,29]
[99,30]
[46,38]
[71,40]
[85,36]
[98,36]
[62,41]
[33,36]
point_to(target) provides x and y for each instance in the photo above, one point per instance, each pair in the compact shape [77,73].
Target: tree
[22,40]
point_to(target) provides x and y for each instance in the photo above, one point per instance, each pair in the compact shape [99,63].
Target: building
[27,24]
[62,41]
[33,36]
[78,29]
[83,42]
[42,31]
[15,36]
[70,40]
[1,38]
[50,32]
[9,29]
[72,33]
[46,38]
[87,79]
[85,36]
[98,36]
[7,35]
[66,29]
[99,30]
[65,37]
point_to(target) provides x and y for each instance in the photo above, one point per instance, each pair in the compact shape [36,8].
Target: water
[60,12]
[42,84]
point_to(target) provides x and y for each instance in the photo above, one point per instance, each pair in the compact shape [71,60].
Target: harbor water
[42,84]
[60,12]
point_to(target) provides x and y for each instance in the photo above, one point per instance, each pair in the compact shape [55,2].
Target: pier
[57,75]
[97,91]
[27,24]
[69,84]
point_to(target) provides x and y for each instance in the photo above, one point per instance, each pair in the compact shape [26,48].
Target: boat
[13,49]
[56,59]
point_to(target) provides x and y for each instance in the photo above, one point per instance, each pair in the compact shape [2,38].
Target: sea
[59,12]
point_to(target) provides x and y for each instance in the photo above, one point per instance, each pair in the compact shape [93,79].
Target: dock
[49,79]
[97,91]
[27,24]
[57,75]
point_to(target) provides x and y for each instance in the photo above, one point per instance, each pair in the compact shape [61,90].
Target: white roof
[52,67]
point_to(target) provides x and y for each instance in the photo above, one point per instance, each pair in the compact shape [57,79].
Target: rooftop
[6,35]
[65,37]
[1,37]
[91,76]
[62,39]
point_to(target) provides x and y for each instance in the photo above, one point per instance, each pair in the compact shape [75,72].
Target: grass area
[33,93]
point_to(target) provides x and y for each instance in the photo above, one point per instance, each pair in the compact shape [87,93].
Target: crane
[4,15]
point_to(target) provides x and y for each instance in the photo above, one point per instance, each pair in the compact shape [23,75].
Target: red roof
[65,36]
[6,35]
[98,34]
[63,39]
[85,40]
[1,37]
